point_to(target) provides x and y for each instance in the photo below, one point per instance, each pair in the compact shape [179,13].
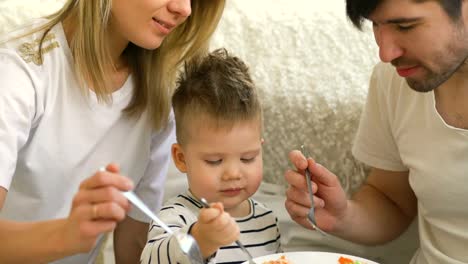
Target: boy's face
[222,165]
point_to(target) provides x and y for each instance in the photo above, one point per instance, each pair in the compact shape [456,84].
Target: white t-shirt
[401,130]
[52,137]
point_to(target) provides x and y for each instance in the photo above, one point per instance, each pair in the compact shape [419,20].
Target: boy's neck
[242,210]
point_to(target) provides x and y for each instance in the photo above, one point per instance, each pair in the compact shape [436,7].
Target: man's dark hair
[359,10]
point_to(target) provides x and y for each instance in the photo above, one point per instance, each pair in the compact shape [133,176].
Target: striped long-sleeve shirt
[258,232]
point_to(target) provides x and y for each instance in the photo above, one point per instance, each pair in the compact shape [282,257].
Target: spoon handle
[134,199]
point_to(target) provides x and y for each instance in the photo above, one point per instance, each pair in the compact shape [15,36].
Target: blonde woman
[88,87]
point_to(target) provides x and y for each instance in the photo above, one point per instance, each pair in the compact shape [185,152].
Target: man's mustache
[398,62]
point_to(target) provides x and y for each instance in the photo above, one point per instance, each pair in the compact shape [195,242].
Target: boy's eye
[249,160]
[213,162]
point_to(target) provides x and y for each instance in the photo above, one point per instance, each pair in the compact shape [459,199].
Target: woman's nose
[181,7]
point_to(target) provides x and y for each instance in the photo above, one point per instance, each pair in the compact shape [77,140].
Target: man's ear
[178,157]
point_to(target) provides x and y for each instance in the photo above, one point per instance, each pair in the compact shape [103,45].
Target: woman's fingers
[112,167]
[103,191]
[107,211]
[89,230]
[107,178]
[101,195]
[98,206]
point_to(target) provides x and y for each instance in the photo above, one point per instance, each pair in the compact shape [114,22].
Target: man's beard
[433,79]
[448,62]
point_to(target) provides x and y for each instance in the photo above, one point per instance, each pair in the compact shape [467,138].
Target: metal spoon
[239,244]
[186,242]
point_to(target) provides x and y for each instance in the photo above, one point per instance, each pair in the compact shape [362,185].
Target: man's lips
[406,71]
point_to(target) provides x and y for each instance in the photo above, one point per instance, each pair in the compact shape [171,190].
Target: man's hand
[329,197]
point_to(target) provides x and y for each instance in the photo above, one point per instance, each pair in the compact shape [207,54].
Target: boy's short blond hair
[217,86]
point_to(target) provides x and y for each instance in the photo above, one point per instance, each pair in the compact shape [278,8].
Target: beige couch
[312,68]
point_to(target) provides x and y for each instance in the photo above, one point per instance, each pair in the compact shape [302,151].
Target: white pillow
[14,13]
[312,67]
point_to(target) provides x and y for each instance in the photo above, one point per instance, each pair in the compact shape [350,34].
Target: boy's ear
[178,157]
[262,141]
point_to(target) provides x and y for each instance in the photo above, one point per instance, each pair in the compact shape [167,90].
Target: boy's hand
[215,228]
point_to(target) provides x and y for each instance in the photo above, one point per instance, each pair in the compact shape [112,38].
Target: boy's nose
[232,173]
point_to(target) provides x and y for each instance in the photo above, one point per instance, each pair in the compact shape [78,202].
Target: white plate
[311,257]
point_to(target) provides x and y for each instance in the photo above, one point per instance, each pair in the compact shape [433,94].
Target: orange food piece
[281,260]
[343,260]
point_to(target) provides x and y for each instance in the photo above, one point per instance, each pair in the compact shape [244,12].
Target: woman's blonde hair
[154,71]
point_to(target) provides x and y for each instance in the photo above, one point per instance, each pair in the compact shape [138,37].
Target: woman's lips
[164,27]
[406,72]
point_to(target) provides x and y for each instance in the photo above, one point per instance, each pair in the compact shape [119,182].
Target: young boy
[219,146]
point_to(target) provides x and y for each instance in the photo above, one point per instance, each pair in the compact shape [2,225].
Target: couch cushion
[312,67]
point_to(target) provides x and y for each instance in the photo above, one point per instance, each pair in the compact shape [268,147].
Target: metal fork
[311,214]
[238,243]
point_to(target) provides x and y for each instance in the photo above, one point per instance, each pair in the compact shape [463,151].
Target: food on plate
[281,260]
[343,260]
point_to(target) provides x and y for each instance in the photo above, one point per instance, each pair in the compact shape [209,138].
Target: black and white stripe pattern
[259,233]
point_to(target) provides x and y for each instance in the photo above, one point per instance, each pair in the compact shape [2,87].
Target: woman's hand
[96,208]
[329,197]
[215,228]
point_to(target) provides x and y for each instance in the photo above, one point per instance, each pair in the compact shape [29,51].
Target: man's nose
[389,48]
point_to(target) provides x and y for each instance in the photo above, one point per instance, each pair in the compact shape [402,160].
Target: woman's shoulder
[24,42]
[21,64]
[24,32]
